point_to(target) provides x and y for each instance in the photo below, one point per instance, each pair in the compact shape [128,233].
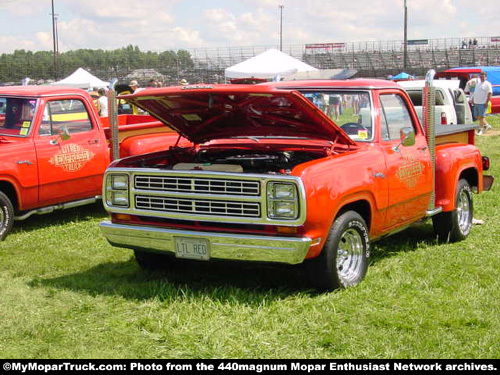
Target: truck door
[409,172]
[69,168]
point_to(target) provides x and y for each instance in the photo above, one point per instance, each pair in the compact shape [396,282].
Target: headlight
[285,209]
[119,198]
[117,190]
[282,201]
[119,182]
[284,191]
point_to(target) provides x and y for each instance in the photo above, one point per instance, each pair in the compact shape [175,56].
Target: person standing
[481,99]
[103,101]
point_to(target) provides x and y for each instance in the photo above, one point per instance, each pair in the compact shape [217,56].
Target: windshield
[350,110]
[16,116]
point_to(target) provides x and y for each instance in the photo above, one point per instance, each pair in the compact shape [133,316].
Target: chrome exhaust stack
[113,119]
[429,110]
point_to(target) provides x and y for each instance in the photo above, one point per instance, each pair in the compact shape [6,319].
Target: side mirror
[407,138]
[63,135]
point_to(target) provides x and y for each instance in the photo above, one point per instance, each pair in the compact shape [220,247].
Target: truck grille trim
[198,185]
[199,207]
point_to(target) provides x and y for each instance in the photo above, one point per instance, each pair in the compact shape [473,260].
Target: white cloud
[175,24]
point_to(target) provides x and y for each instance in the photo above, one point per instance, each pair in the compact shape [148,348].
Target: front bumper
[222,246]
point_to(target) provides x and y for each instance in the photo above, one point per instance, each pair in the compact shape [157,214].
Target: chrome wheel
[464,211]
[350,256]
[343,260]
[452,226]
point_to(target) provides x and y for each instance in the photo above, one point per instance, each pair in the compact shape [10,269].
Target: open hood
[206,112]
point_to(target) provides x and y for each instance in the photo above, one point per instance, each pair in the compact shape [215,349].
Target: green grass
[66,293]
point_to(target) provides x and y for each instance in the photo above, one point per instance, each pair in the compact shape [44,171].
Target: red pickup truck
[54,149]
[272,178]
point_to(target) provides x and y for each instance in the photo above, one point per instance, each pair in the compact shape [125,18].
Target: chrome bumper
[222,246]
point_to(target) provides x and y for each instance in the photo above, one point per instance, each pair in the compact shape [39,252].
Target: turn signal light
[123,217]
[286,230]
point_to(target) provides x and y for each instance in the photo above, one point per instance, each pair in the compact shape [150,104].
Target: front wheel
[6,216]
[343,261]
[456,225]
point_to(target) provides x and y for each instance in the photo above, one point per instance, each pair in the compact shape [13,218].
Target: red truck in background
[54,149]
[272,178]
[464,74]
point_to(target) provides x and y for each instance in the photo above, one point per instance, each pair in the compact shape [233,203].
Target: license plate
[192,248]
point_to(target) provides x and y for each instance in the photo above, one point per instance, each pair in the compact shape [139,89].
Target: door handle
[27,162]
[423,148]
[93,141]
[379,175]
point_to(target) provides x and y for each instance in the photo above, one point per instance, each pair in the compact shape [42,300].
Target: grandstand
[371,59]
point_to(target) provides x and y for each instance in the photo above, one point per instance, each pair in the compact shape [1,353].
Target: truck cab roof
[37,91]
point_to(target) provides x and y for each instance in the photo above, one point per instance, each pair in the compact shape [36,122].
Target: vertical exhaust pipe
[429,96]
[113,120]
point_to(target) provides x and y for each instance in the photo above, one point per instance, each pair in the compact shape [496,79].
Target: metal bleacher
[371,59]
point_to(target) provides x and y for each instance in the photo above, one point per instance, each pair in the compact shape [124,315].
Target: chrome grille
[198,185]
[200,207]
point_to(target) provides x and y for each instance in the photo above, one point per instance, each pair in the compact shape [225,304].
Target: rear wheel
[456,225]
[343,261]
[6,216]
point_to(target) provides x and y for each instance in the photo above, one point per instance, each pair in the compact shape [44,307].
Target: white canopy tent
[81,79]
[268,64]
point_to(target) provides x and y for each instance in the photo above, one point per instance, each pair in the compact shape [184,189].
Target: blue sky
[158,25]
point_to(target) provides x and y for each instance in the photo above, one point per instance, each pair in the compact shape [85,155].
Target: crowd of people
[99,95]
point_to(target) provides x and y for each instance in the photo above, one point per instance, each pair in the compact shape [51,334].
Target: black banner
[248,366]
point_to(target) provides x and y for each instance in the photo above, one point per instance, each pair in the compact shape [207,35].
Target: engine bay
[233,160]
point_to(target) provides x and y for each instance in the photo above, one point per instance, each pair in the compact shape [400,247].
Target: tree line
[118,63]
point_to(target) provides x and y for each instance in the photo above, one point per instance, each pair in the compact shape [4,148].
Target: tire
[6,216]
[150,261]
[456,225]
[343,262]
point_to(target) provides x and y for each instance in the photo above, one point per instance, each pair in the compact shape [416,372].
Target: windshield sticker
[72,157]
[363,134]
[26,124]
[24,131]
[192,117]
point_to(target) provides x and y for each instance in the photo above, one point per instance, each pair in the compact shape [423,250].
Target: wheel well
[10,192]
[362,207]
[470,175]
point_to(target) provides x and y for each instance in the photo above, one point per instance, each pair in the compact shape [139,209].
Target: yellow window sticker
[26,124]
[363,134]
[191,117]
[24,131]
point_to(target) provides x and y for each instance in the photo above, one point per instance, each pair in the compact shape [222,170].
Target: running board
[61,206]
[433,212]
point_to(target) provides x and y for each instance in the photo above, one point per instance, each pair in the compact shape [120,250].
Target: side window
[70,114]
[395,116]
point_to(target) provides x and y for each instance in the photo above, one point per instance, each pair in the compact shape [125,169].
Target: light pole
[281,26]
[55,39]
[405,53]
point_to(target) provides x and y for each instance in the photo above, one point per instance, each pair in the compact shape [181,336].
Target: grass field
[66,293]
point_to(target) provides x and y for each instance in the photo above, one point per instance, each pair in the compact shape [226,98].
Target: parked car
[451,107]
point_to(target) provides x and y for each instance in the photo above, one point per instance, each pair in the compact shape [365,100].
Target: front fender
[143,144]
